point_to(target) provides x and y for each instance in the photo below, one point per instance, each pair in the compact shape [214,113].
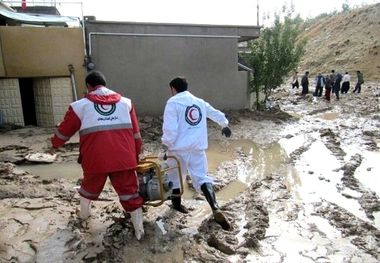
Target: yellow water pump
[154,185]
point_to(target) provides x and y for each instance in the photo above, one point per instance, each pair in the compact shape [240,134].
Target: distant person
[358,86]
[185,137]
[328,86]
[336,86]
[332,79]
[346,82]
[295,80]
[320,83]
[110,143]
[305,83]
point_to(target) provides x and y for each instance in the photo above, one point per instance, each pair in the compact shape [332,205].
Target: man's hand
[51,151]
[226,132]
[163,152]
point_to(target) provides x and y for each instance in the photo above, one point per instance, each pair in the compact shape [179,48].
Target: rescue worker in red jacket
[110,143]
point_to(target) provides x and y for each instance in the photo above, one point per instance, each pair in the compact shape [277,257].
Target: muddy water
[315,175]
[329,116]
[70,170]
[263,160]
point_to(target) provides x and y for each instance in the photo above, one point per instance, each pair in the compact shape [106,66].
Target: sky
[222,12]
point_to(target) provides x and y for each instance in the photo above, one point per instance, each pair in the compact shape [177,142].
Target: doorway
[27,101]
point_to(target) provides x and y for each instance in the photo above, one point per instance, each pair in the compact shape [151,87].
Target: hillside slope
[347,41]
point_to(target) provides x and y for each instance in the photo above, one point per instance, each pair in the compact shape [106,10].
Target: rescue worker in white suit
[110,143]
[185,137]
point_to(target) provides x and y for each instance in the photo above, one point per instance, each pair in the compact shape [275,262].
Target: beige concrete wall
[10,102]
[62,96]
[52,98]
[42,52]
[43,102]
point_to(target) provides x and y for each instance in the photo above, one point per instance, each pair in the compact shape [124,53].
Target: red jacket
[109,133]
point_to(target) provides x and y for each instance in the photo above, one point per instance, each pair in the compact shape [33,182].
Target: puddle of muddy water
[329,116]
[69,171]
[257,161]
[263,159]
[231,191]
[318,177]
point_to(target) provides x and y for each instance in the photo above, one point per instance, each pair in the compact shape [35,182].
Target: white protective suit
[185,135]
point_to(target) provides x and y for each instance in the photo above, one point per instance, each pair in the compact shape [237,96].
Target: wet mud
[297,181]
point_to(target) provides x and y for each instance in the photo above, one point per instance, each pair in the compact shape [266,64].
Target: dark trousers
[345,86]
[318,91]
[295,84]
[305,89]
[358,87]
[327,93]
[336,90]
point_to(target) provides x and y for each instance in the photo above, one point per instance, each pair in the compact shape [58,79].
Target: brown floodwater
[68,170]
[330,116]
[262,161]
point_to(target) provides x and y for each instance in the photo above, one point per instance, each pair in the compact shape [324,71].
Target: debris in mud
[250,211]
[332,143]
[41,157]
[313,112]
[366,236]
[370,203]
[13,153]
[371,137]
[6,168]
[295,155]
[14,147]
[349,168]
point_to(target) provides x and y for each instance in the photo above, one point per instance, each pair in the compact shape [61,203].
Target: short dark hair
[95,78]
[179,84]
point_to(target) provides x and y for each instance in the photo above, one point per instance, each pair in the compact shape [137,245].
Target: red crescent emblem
[191,115]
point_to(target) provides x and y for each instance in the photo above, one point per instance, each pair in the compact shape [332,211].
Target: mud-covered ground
[299,183]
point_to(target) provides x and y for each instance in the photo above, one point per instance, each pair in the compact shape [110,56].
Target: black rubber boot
[176,201]
[208,191]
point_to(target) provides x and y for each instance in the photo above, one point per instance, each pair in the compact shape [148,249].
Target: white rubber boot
[85,205]
[137,221]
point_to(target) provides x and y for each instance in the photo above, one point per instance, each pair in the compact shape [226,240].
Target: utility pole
[258,13]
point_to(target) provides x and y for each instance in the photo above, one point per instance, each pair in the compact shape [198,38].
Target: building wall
[52,98]
[10,102]
[42,52]
[243,79]
[141,66]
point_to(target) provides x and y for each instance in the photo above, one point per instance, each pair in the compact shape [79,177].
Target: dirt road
[299,184]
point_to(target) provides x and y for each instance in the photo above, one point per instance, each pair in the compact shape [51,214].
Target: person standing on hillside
[320,80]
[110,143]
[305,83]
[185,137]
[346,82]
[328,86]
[358,86]
[332,79]
[295,80]
[336,86]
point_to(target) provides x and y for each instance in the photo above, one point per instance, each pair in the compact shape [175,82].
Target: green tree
[345,7]
[275,54]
